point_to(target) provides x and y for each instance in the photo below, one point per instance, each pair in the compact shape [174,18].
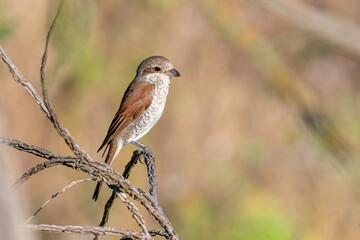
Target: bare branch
[67,161]
[37,151]
[73,183]
[135,212]
[133,161]
[64,133]
[93,230]
[107,208]
[149,159]
[19,78]
[54,159]
[151,170]
[44,57]
[101,171]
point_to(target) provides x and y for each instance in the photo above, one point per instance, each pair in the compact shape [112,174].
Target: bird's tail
[114,148]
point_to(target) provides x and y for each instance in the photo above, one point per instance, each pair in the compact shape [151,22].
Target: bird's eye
[157,69]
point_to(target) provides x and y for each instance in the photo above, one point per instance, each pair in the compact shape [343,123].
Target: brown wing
[136,100]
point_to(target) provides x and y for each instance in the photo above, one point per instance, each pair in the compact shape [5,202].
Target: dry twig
[93,230]
[73,183]
[19,78]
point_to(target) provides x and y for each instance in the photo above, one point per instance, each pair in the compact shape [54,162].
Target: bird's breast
[149,117]
[154,112]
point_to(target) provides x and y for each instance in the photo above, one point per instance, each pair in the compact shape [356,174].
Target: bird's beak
[173,73]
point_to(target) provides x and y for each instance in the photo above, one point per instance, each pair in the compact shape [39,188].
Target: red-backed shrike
[141,107]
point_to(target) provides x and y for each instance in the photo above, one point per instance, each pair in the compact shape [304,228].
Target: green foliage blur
[259,139]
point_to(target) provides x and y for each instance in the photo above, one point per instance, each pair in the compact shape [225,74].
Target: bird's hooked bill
[173,73]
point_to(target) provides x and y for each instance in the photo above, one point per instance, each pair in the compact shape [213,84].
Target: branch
[135,212]
[44,57]
[99,170]
[73,183]
[60,160]
[129,166]
[149,159]
[66,161]
[93,230]
[64,133]
[54,159]
[19,78]
[37,151]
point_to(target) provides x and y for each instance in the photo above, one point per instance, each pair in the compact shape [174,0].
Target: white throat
[158,79]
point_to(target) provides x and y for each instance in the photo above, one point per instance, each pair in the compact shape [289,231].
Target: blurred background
[259,138]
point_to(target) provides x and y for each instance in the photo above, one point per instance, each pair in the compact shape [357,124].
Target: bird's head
[157,66]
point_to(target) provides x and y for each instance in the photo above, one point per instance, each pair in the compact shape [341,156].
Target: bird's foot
[145,149]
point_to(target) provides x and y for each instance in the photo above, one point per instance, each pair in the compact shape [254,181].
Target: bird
[140,109]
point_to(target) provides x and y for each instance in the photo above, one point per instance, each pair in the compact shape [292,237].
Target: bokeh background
[260,136]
